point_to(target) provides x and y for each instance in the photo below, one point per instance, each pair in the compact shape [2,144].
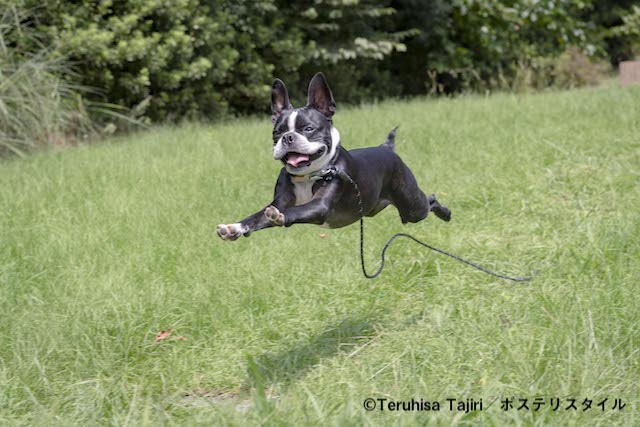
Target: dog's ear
[320,96]
[279,99]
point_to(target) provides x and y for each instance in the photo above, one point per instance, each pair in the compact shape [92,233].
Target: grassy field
[102,247]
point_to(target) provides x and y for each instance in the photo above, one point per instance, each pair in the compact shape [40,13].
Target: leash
[345,177]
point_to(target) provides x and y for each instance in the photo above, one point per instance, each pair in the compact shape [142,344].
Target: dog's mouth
[299,160]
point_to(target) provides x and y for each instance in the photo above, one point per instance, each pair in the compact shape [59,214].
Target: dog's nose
[287,139]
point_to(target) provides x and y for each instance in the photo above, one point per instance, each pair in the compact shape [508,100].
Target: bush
[486,44]
[196,59]
[350,40]
[574,69]
[624,39]
[616,25]
[173,59]
[187,56]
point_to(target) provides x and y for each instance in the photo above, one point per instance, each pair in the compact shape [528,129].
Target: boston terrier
[323,183]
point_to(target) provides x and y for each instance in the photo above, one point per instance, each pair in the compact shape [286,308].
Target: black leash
[348,179]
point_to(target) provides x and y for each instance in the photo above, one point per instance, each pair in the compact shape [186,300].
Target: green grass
[103,246]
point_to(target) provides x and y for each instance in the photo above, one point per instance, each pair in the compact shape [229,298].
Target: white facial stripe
[292,121]
[335,141]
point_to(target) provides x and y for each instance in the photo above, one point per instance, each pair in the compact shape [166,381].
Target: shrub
[350,40]
[624,39]
[190,58]
[186,55]
[574,69]
[173,59]
[486,44]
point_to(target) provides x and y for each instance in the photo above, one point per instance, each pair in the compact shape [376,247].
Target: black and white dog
[308,191]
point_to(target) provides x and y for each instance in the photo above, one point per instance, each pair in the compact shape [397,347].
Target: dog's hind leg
[382,203]
[412,204]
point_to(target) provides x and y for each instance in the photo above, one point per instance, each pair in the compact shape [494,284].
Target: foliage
[485,44]
[616,25]
[189,57]
[172,59]
[629,31]
[350,40]
[574,69]
[204,59]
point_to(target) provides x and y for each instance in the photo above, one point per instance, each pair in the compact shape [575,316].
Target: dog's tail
[391,139]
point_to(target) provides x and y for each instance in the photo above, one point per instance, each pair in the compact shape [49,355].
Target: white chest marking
[303,192]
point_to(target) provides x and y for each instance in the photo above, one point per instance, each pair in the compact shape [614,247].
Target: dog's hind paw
[274,216]
[443,213]
[439,210]
[230,231]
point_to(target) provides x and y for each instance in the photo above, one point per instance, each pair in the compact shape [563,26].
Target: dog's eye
[309,129]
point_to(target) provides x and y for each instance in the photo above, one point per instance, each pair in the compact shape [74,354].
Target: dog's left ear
[320,96]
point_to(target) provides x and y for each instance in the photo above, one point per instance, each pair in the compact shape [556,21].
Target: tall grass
[37,105]
[39,102]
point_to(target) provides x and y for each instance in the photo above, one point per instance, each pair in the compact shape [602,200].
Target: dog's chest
[303,190]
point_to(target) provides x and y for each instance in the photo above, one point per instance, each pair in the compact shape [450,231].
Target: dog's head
[304,139]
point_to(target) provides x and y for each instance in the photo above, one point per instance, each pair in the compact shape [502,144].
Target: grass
[103,246]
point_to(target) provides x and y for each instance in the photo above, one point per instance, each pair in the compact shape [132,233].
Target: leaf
[162,335]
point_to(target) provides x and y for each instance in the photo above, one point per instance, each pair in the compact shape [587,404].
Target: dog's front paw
[274,216]
[230,231]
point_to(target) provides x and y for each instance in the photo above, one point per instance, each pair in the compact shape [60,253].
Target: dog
[321,182]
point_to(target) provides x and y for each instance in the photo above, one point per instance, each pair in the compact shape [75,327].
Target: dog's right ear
[279,99]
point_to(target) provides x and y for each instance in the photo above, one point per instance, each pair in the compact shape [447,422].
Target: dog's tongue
[294,159]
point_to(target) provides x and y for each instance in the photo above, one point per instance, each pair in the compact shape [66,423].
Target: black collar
[325,174]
